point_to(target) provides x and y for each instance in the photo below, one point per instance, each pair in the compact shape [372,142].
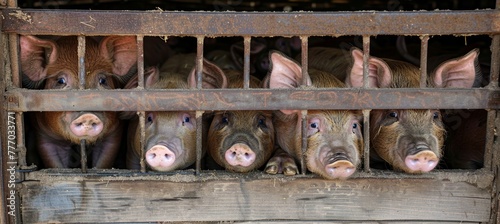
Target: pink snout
[160,158]
[423,161]
[240,155]
[86,125]
[341,169]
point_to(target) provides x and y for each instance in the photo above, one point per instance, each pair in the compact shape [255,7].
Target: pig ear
[36,54]
[151,76]
[379,74]
[212,77]
[284,74]
[122,51]
[458,72]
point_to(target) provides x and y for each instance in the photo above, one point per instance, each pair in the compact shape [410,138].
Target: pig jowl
[55,65]
[334,139]
[170,136]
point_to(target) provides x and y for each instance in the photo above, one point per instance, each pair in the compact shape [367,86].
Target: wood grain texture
[416,200]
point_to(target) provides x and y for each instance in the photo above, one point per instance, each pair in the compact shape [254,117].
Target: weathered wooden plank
[262,99]
[95,22]
[305,199]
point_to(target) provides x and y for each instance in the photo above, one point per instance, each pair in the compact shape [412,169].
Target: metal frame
[214,24]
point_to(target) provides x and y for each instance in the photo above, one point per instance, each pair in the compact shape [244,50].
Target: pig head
[409,140]
[55,63]
[241,141]
[170,136]
[334,139]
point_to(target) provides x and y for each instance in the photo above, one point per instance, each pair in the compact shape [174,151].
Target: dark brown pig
[56,64]
[170,136]
[241,141]
[466,139]
[410,140]
[334,139]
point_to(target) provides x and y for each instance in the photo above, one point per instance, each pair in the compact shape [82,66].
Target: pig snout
[423,161]
[160,158]
[240,154]
[338,166]
[87,125]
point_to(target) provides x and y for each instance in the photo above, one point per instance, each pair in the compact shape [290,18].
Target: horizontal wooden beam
[253,99]
[160,23]
[254,199]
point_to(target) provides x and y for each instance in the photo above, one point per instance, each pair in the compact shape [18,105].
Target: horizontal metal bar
[75,22]
[239,99]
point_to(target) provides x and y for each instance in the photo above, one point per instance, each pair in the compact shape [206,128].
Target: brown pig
[241,141]
[170,136]
[55,63]
[410,140]
[334,139]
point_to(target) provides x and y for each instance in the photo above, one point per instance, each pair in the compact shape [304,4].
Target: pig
[55,63]
[334,137]
[465,144]
[410,140]
[170,136]
[241,141]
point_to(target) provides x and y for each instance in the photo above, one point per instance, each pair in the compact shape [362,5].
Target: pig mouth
[416,148]
[332,157]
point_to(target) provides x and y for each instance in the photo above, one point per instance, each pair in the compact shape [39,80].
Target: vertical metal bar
[14,58]
[4,76]
[83,153]
[199,62]
[490,136]
[305,60]
[495,61]
[142,139]
[303,120]
[21,147]
[366,140]
[199,129]
[305,76]
[81,62]
[423,60]
[81,86]
[140,62]
[199,114]
[246,62]
[366,57]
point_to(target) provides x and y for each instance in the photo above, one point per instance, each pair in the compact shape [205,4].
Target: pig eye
[187,119]
[393,114]
[102,81]
[435,115]
[61,81]
[225,119]
[149,119]
[314,125]
[262,122]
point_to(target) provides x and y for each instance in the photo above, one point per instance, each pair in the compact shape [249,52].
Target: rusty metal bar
[246,62]
[423,60]
[69,22]
[366,57]
[142,142]
[199,141]
[140,62]
[81,62]
[199,113]
[489,140]
[199,61]
[303,122]
[495,61]
[21,146]
[83,152]
[14,59]
[366,140]
[305,60]
[262,99]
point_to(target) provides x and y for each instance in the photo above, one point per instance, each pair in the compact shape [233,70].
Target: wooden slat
[244,199]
